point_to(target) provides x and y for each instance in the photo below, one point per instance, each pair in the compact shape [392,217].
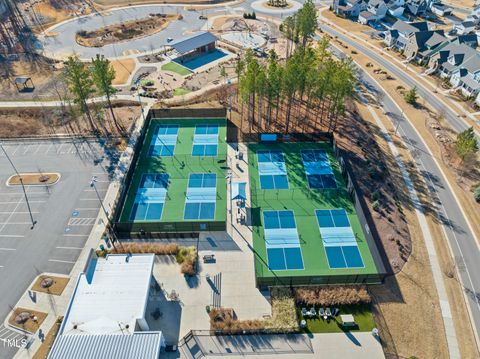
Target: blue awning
[239,190]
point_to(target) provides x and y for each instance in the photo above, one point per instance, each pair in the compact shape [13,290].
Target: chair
[313,312]
[328,312]
[321,312]
[336,311]
[304,311]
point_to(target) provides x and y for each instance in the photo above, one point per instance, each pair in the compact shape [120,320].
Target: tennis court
[304,234]
[164,140]
[150,197]
[281,240]
[201,196]
[178,183]
[272,170]
[318,169]
[205,141]
[338,239]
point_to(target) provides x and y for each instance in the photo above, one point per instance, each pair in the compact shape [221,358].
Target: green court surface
[174,67]
[178,168]
[315,267]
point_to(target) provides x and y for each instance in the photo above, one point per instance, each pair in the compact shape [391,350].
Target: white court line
[60,261]
[12,235]
[88,209]
[83,199]
[76,235]
[69,248]
[8,249]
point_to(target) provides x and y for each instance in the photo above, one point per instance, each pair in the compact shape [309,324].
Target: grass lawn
[180,91]
[362,314]
[174,67]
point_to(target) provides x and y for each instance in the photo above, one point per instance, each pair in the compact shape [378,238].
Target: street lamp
[109,222]
[23,186]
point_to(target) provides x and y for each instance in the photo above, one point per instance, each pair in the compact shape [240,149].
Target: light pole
[23,186]
[109,223]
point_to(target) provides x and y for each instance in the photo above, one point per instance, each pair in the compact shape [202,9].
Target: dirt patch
[42,284]
[124,31]
[34,179]
[38,121]
[123,70]
[26,319]
[47,344]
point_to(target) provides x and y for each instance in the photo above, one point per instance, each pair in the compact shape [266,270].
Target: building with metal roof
[197,41]
[141,345]
[107,312]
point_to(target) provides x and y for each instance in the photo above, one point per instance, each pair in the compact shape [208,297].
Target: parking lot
[64,213]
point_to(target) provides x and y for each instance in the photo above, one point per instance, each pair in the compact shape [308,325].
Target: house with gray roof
[376,10]
[416,7]
[397,36]
[422,42]
[449,58]
[465,27]
[349,8]
[466,78]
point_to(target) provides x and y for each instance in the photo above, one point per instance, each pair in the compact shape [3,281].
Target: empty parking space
[64,213]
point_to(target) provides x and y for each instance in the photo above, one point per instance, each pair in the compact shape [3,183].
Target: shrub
[155,248]
[187,257]
[376,206]
[376,195]
[332,295]
[411,96]
[476,194]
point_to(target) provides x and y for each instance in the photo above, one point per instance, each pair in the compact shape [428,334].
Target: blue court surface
[338,239]
[205,140]
[318,169]
[200,60]
[164,140]
[201,196]
[281,240]
[272,170]
[150,197]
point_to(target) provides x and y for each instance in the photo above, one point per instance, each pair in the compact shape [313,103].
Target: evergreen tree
[466,144]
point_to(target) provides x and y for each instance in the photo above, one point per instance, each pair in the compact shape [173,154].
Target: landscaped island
[125,31]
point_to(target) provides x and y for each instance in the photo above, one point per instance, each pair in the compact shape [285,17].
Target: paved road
[465,249]
[63,40]
[65,213]
[426,93]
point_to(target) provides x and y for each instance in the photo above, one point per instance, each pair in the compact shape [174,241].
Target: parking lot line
[7,249]
[9,223]
[76,235]
[12,235]
[33,212]
[11,214]
[18,146]
[61,261]
[88,208]
[86,199]
[10,202]
[69,248]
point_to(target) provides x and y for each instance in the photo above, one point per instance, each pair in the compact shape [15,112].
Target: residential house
[464,27]
[466,77]
[396,7]
[468,39]
[421,43]
[477,100]
[441,10]
[349,8]
[416,7]
[376,10]
[446,59]
[398,34]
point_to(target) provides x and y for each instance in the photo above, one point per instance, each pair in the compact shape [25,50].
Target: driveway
[65,213]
